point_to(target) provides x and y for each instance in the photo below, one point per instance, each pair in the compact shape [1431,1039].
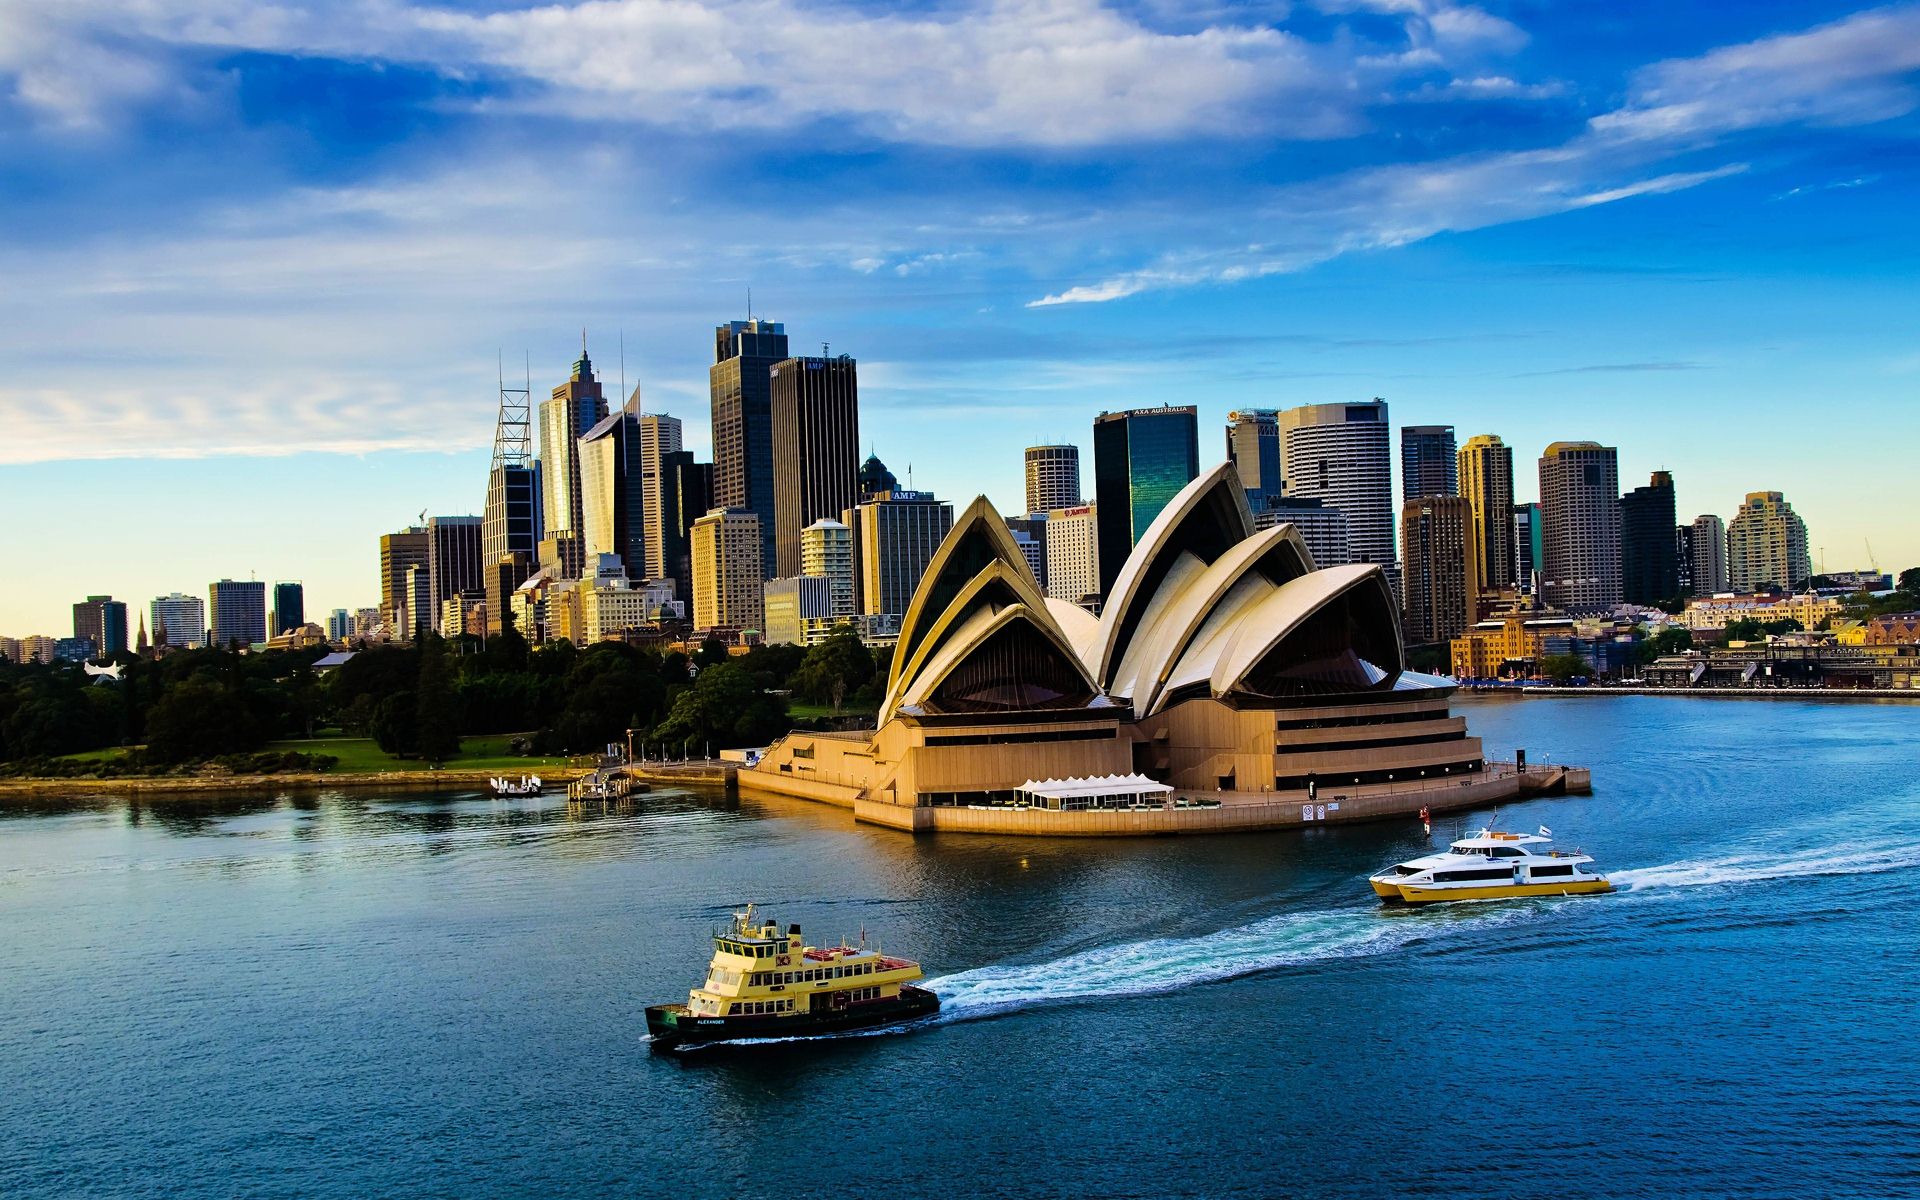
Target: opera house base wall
[1237,812]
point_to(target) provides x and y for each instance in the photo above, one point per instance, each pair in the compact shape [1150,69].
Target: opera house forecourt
[1227,685]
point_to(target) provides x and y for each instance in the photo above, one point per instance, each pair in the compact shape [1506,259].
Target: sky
[261,260]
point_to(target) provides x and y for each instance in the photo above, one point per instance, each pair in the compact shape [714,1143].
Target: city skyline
[1676,285]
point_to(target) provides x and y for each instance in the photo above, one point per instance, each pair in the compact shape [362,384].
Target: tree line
[420,700]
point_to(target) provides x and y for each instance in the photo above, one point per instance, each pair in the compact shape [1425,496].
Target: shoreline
[165,785]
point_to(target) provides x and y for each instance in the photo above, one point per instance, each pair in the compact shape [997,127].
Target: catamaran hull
[672,1025]
[1400,893]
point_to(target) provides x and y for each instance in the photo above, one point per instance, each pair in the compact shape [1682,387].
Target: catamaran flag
[1545,832]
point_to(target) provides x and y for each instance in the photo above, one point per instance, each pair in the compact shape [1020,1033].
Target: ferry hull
[1403,894]
[672,1025]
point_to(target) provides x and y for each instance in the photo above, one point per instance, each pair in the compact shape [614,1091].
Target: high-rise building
[741,381]
[1528,554]
[1142,457]
[1441,568]
[102,620]
[339,625]
[10,650]
[1427,462]
[895,535]
[1253,447]
[612,492]
[510,529]
[178,619]
[1485,476]
[728,580]
[38,648]
[1073,554]
[816,448]
[289,607]
[420,617]
[575,407]
[1767,544]
[659,438]
[1709,566]
[1340,455]
[563,554]
[686,496]
[237,612]
[1580,526]
[1683,558]
[1030,534]
[799,611]
[826,552]
[400,552]
[1323,529]
[1649,570]
[1053,477]
[455,561]
[875,478]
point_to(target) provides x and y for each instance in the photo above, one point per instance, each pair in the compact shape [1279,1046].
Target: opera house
[1228,684]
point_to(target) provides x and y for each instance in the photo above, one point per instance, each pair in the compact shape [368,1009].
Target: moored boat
[529,785]
[1491,866]
[763,983]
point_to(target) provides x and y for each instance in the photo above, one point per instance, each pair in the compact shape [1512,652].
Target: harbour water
[349,995]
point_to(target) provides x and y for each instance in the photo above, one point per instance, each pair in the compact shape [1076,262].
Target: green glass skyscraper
[1141,460]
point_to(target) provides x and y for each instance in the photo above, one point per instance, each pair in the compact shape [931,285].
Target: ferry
[529,785]
[1491,866]
[763,983]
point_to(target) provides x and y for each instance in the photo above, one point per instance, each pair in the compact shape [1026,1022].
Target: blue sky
[257,260]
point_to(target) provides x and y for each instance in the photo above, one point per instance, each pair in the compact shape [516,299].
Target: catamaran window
[1508,852]
[1542,872]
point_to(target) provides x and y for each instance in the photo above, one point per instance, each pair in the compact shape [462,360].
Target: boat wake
[1858,859]
[1161,965]
[1170,964]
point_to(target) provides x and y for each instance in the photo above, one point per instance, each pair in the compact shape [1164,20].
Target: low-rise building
[1509,644]
[1715,612]
[1893,629]
[799,611]
[1779,663]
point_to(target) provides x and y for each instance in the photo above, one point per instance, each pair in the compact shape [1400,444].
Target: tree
[837,666]
[1910,581]
[1743,629]
[393,724]
[199,719]
[726,706]
[1562,667]
[436,723]
[1668,639]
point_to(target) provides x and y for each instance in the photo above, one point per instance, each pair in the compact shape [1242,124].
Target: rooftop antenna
[623,362]
[512,431]
[749,302]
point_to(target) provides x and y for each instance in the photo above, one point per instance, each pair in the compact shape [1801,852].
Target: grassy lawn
[359,756]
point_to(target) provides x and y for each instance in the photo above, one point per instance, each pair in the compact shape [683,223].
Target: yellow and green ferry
[763,983]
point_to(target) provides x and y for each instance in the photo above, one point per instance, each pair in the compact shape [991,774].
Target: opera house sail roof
[1225,665]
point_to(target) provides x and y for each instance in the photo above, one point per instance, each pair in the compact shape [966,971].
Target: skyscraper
[1580,526]
[289,607]
[237,610]
[1053,477]
[1340,455]
[1142,457]
[102,620]
[339,625]
[826,552]
[1767,544]
[510,530]
[1709,545]
[1485,476]
[575,407]
[612,492]
[816,448]
[1441,568]
[659,437]
[728,580]
[741,383]
[400,552]
[1073,553]
[895,535]
[1322,528]
[178,619]
[686,497]
[1528,555]
[1649,572]
[1427,462]
[1253,447]
[875,478]
[455,564]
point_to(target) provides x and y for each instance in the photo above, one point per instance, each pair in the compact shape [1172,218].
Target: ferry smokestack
[793,931]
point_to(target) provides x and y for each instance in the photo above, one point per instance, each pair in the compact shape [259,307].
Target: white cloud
[1002,72]
[1851,72]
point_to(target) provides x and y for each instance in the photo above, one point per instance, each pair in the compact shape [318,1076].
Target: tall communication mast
[513,432]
